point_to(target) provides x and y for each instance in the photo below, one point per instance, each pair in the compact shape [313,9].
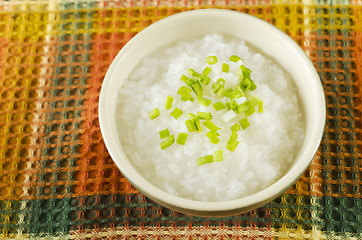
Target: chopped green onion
[183,90]
[248,112]
[211,60]
[252,85]
[191,126]
[192,117]
[260,107]
[236,127]
[241,108]
[232,142]
[231,105]
[205,80]
[154,113]
[164,133]
[218,106]
[206,159]
[218,156]
[213,137]
[169,101]
[218,86]
[198,126]
[167,142]
[187,80]
[244,123]
[204,101]
[181,138]
[245,72]
[235,58]
[233,94]
[176,113]
[252,103]
[245,84]
[191,71]
[196,87]
[206,71]
[187,98]
[225,67]
[204,115]
[210,125]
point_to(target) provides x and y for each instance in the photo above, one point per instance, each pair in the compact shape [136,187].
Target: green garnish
[244,123]
[196,87]
[198,126]
[260,107]
[211,60]
[250,111]
[218,86]
[206,159]
[191,126]
[192,117]
[187,80]
[231,105]
[252,103]
[169,101]
[167,142]
[218,106]
[183,90]
[181,138]
[236,127]
[233,94]
[225,67]
[206,71]
[218,156]
[204,101]
[154,113]
[241,108]
[245,72]
[235,58]
[204,115]
[213,137]
[176,113]
[210,125]
[232,142]
[164,133]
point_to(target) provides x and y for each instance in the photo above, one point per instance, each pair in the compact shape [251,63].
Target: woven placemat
[56,177]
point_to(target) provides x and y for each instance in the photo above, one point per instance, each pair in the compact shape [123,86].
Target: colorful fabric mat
[57,180]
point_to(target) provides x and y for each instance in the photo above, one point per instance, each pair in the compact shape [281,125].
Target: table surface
[57,179]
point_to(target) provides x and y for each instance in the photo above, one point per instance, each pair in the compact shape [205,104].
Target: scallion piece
[169,101]
[167,142]
[198,126]
[245,72]
[252,103]
[211,60]
[183,90]
[196,87]
[244,123]
[205,80]
[218,156]
[232,142]
[192,117]
[204,115]
[206,71]
[206,159]
[231,105]
[181,138]
[260,107]
[236,127]
[164,133]
[187,98]
[218,106]
[210,125]
[187,80]
[218,86]
[233,94]
[241,108]
[213,137]
[250,111]
[204,101]
[225,67]
[154,113]
[235,58]
[252,85]
[191,126]
[176,113]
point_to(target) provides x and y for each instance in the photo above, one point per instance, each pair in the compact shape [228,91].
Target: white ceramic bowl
[195,24]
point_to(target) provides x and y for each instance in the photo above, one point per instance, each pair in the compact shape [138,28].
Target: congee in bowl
[212,112]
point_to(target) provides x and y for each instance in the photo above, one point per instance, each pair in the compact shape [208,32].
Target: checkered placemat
[56,177]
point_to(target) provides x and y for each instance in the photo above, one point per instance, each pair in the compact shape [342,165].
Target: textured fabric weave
[57,180]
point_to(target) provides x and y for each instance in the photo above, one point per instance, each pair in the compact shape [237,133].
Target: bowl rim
[183,204]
